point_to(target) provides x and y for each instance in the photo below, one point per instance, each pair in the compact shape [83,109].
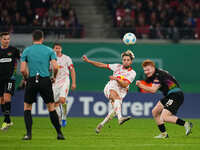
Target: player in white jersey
[61,85]
[117,88]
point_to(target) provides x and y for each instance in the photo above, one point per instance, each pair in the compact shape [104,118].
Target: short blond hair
[128,53]
[148,62]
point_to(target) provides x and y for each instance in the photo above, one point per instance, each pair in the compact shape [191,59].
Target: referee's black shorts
[173,101]
[43,87]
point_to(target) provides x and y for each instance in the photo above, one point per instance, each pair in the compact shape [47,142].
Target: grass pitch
[136,134]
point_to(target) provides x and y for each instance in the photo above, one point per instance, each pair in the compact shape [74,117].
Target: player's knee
[57,104]
[111,97]
[7,97]
[51,107]
[154,112]
[62,101]
[27,106]
[163,118]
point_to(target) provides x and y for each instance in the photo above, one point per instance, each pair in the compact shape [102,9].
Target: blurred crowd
[53,16]
[157,19]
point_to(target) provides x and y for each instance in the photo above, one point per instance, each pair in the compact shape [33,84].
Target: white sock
[64,111]
[117,108]
[110,115]
[58,111]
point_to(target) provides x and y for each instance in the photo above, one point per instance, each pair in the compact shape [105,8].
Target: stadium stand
[157,19]
[54,17]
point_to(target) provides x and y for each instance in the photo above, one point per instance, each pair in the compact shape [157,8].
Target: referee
[35,62]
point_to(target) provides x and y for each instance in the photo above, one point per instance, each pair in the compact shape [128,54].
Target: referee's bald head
[37,35]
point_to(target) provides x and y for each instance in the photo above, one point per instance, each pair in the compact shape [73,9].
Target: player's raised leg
[117,106]
[109,117]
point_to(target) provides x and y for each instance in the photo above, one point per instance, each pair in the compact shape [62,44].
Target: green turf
[136,134]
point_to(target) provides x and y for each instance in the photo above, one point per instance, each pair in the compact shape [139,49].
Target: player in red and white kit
[61,85]
[117,88]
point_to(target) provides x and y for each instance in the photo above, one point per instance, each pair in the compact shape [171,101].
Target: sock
[109,117]
[28,122]
[55,121]
[7,112]
[3,109]
[64,111]
[58,110]
[162,128]
[117,108]
[180,122]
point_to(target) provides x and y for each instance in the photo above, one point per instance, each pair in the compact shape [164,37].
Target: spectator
[142,29]
[20,15]
[162,16]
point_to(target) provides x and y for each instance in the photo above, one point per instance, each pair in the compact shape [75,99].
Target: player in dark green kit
[37,58]
[166,109]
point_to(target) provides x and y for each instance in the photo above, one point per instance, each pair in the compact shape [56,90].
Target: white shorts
[113,85]
[61,90]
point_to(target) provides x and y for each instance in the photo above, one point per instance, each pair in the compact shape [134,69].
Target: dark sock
[162,128]
[3,109]
[55,121]
[7,112]
[28,122]
[180,122]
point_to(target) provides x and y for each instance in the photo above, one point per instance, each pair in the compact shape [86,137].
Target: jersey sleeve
[69,63]
[53,55]
[112,67]
[157,79]
[24,56]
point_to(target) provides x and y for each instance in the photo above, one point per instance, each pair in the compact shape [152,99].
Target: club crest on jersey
[9,54]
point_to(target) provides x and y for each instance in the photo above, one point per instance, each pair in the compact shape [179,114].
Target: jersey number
[169,103]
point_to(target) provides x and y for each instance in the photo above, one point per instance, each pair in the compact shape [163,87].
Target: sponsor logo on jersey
[4,60]
[60,67]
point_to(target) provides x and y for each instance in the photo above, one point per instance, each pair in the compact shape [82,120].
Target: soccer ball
[129,39]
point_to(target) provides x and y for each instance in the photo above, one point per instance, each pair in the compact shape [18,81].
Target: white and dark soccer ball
[129,39]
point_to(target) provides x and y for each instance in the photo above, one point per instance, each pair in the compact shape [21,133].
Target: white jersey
[65,64]
[122,73]
[62,83]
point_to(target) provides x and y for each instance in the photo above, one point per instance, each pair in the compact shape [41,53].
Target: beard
[126,67]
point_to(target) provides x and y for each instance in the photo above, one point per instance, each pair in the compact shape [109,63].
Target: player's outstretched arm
[94,63]
[122,83]
[153,89]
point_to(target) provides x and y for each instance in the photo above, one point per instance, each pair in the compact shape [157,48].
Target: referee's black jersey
[167,81]
[8,61]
